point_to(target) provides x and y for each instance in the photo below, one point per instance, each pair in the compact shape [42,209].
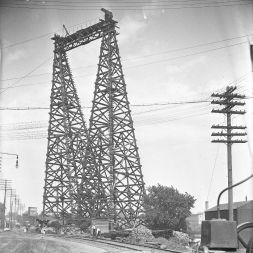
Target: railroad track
[123,245]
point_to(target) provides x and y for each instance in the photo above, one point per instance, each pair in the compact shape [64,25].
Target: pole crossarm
[228,96]
[7,153]
[228,127]
[224,102]
[225,141]
[227,134]
[228,111]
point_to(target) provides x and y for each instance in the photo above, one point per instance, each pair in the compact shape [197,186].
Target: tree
[1,214]
[166,208]
[1,210]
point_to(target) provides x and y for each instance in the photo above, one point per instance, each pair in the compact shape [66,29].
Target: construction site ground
[16,241]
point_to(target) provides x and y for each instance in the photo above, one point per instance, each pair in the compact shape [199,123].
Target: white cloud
[15,56]
[185,67]
[131,28]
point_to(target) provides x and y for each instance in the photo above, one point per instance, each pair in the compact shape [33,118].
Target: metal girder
[83,36]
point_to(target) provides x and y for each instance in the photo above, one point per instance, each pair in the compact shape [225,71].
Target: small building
[242,212]
[29,217]
[194,224]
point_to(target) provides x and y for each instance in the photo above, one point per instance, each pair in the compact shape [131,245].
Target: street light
[11,154]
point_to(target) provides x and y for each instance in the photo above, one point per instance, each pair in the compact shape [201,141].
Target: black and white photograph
[126,126]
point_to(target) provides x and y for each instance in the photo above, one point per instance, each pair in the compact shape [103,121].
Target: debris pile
[71,229]
[166,233]
[141,234]
[181,238]
[171,244]
[179,241]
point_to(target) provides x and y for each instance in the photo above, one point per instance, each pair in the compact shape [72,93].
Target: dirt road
[17,241]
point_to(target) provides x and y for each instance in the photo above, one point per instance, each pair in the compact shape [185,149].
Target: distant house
[29,217]
[242,212]
[194,223]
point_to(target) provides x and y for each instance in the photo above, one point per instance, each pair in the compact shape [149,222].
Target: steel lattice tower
[67,139]
[112,137]
[96,172]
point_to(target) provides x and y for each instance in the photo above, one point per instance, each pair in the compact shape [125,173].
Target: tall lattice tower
[96,172]
[112,137]
[67,139]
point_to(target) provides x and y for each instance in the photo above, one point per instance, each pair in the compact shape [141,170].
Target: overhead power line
[187,101]
[26,75]
[149,55]
[119,4]
[139,105]
[164,60]
[42,134]
[50,33]
[125,7]
[131,2]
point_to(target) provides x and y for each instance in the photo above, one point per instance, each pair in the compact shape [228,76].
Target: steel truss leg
[113,140]
[67,139]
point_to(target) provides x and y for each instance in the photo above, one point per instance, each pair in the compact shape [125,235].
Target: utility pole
[9,195]
[10,213]
[14,218]
[226,99]
[4,186]
[18,210]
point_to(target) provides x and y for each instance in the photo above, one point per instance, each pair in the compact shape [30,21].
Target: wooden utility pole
[15,210]
[226,99]
[4,185]
[10,212]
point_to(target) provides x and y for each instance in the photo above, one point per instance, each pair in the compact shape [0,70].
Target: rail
[116,243]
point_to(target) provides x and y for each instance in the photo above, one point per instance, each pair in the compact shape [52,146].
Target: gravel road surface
[16,241]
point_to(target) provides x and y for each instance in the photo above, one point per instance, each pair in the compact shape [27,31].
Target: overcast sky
[171,52]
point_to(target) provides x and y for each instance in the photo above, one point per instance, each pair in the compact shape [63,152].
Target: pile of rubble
[179,241]
[71,230]
[141,234]
[181,238]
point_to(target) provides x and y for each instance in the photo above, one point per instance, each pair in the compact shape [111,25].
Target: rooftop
[225,206]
